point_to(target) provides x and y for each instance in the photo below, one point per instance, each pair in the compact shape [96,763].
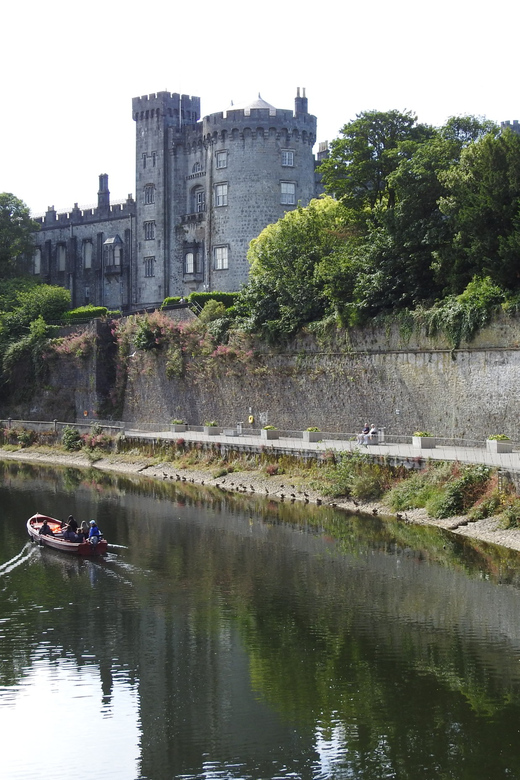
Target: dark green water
[228,637]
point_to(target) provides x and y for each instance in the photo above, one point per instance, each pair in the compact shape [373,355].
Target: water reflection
[233,637]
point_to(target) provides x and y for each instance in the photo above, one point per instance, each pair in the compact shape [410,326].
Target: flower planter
[312,435]
[495,445]
[424,442]
[211,430]
[269,434]
[177,427]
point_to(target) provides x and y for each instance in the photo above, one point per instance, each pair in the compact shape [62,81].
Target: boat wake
[25,553]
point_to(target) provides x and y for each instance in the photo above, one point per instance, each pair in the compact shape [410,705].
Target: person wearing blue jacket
[94,533]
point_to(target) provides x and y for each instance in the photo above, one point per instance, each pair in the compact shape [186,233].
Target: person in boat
[72,524]
[45,529]
[84,532]
[94,534]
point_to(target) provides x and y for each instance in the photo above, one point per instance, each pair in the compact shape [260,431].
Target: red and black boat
[57,542]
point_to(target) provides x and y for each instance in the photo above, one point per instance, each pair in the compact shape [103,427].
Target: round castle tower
[206,188]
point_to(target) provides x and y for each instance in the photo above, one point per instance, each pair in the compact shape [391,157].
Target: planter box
[495,445]
[177,428]
[312,435]
[268,434]
[211,430]
[424,442]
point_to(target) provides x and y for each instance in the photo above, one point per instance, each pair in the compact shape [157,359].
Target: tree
[16,229]
[372,146]
[482,202]
[284,291]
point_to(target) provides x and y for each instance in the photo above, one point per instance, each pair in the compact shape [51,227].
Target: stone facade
[204,189]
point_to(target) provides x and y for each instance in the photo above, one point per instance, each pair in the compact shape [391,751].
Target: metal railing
[236,429]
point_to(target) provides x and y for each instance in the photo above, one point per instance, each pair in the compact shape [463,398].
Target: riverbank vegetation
[443,489]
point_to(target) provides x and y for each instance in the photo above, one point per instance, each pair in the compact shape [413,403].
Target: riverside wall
[404,382]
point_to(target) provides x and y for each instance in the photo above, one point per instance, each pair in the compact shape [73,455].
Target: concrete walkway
[401,451]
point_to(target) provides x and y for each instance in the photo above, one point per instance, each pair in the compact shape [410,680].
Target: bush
[366,485]
[70,438]
[171,301]
[26,437]
[460,494]
[511,515]
[201,298]
[85,313]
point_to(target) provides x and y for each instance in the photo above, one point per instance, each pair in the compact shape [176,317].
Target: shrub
[489,506]
[366,485]
[85,313]
[460,494]
[26,437]
[511,515]
[70,438]
[271,469]
[202,298]
[170,301]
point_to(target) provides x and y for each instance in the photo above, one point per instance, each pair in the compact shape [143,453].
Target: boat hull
[34,524]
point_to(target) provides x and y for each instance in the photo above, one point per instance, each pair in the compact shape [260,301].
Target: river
[226,636]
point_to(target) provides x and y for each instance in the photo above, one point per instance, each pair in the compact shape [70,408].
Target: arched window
[197,167]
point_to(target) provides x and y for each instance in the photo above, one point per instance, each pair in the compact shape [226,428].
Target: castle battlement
[166,104]
[259,123]
[85,214]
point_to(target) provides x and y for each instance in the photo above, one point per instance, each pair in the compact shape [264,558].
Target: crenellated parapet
[514,126]
[85,216]
[260,123]
[170,107]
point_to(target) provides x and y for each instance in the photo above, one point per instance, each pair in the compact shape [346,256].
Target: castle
[204,189]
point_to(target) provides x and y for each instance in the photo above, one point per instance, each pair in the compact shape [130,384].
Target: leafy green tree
[16,229]
[371,148]
[284,291]
[483,204]
[397,265]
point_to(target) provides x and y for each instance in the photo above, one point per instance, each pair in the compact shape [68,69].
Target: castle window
[220,254]
[149,194]
[37,260]
[149,230]
[118,251]
[197,167]
[288,193]
[154,156]
[61,255]
[198,201]
[287,158]
[87,295]
[144,160]
[86,251]
[221,159]
[189,263]
[149,266]
[221,195]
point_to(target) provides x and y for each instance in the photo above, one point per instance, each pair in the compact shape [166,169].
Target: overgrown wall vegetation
[154,371]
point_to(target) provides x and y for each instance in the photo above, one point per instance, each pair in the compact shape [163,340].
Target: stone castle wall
[404,386]
[418,385]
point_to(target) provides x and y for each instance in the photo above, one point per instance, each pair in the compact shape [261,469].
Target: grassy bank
[468,499]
